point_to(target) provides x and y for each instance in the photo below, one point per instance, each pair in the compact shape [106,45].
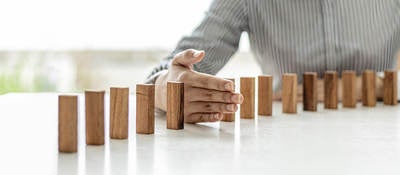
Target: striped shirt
[296,36]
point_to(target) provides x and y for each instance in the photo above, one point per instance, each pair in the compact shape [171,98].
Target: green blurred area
[12,83]
[75,71]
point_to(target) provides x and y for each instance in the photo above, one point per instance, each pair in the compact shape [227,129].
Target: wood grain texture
[368,88]
[289,93]
[145,108]
[67,123]
[310,91]
[330,90]
[265,95]
[175,105]
[349,95]
[229,116]
[390,87]
[119,112]
[94,110]
[247,89]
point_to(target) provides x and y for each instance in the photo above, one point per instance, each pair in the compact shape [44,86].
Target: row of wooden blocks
[145,103]
[119,114]
[310,90]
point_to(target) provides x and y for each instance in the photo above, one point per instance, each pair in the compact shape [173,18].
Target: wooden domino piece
[330,90]
[247,89]
[67,123]
[94,110]
[145,108]
[119,111]
[349,98]
[265,95]
[289,93]
[175,106]
[368,88]
[390,87]
[229,116]
[310,91]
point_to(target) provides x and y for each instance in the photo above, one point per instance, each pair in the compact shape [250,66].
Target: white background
[97,24]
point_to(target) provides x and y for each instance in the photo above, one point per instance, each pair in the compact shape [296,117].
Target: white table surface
[345,141]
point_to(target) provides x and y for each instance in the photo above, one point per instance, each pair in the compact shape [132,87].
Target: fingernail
[230,107]
[235,98]
[216,116]
[196,53]
[219,117]
[241,98]
[228,86]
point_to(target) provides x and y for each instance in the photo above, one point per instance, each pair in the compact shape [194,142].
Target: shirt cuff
[152,79]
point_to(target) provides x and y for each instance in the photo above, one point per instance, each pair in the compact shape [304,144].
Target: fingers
[203,117]
[209,95]
[206,81]
[188,57]
[210,107]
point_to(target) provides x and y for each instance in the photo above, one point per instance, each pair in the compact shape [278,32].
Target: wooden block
[330,90]
[349,95]
[247,89]
[289,93]
[94,109]
[145,108]
[119,112]
[229,117]
[310,91]
[368,88]
[175,108]
[265,95]
[390,87]
[67,123]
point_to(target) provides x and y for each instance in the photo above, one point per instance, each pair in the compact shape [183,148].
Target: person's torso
[316,35]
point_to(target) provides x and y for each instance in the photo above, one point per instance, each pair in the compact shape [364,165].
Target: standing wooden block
[67,123]
[390,87]
[229,117]
[289,93]
[310,91]
[368,88]
[94,109]
[247,89]
[175,108]
[330,90]
[265,95]
[349,98]
[119,111]
[145,108]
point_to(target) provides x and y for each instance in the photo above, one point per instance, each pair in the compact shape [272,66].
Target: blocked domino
[175,106]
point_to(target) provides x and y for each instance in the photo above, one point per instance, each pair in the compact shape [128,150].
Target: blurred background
[73,45]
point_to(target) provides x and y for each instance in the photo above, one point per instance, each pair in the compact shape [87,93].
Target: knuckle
[203,118]
[208,107]
[183,77]
[209,95]
[227,97]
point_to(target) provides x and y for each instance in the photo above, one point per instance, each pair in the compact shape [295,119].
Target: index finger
[201,80]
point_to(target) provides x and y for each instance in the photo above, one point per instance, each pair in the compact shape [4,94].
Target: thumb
[188,57]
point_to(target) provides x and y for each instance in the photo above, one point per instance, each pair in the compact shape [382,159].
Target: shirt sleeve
[218,35]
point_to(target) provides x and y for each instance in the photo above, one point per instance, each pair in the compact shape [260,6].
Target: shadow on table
[200,130]
[94,161]
[119,156]
[145,154]
[67,164]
